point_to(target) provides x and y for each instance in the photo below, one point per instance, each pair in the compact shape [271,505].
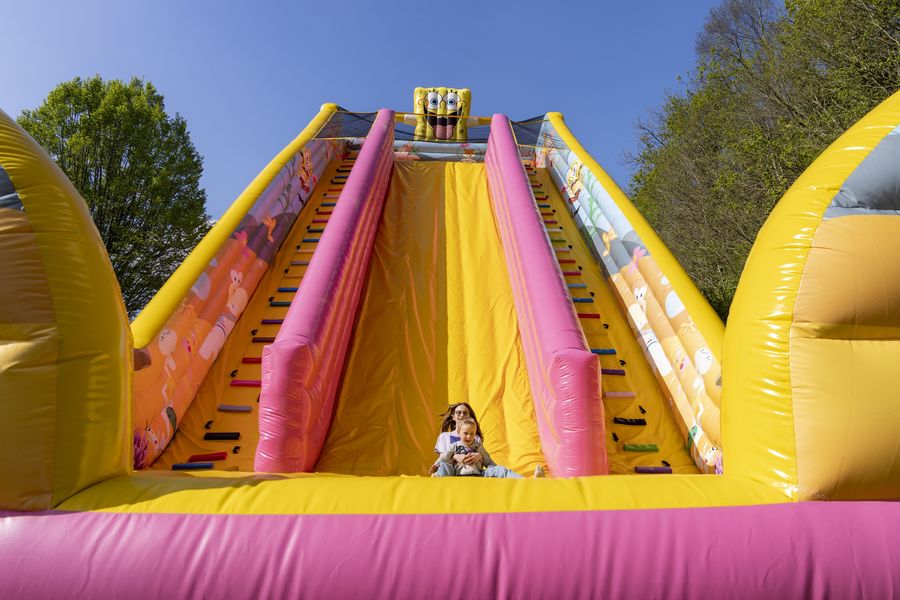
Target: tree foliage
[773,87]
[137,169]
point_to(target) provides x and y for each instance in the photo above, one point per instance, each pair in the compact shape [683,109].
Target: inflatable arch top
[276,402]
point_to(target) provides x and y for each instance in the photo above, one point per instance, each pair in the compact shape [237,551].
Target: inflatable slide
[265,426]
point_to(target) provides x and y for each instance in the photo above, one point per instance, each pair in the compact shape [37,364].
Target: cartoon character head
[237,301]
[640,295]
[443,113]
[214,340]
[703,360]
[168,339]
[466,153]
[190,341]
[236,278]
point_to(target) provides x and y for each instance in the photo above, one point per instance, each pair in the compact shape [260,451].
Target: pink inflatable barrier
[805,550]
[564,374]
[301,369]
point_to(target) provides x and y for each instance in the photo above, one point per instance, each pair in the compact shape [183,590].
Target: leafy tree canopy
[774,85]
[137,169]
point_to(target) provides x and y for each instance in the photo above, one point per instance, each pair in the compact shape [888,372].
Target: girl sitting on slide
[467,457]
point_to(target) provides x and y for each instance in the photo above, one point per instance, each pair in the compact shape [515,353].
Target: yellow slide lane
[436,325]
[638,378]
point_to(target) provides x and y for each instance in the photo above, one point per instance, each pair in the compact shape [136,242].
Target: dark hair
[449,424]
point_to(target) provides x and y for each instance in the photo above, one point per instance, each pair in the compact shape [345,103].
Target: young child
[453,462]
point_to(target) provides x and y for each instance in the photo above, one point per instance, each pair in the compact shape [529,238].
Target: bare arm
[434,466]
[486,459]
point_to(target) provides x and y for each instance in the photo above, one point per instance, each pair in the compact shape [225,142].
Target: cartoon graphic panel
[444,112]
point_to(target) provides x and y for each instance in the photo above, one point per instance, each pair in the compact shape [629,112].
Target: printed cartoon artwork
[237,301]
[608,237]
[636,254]
[236,278]
[433,151]
[639,294]
[170,369]
[442,113]
[406,152]
[141,447]
[574,181]
[540,158]
[168,340]
[467,153]
[689,374]
[308,179]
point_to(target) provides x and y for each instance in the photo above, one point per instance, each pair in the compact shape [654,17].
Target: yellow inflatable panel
[317,494]
[811,348]
[65,346]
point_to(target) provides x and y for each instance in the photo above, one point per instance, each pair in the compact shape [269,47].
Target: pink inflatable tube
[564,374]
[821,550]
[301,369]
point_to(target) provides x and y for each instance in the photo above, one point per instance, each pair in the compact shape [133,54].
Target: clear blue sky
[248,76]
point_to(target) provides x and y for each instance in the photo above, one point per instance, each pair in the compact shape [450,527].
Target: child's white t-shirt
[447,438]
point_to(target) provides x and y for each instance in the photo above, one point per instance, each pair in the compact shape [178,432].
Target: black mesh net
[533,132]
[346,124]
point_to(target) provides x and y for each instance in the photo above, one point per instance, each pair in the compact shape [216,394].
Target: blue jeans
[446,470]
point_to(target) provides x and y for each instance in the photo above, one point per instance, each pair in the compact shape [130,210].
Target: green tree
[773,87]
[137,169]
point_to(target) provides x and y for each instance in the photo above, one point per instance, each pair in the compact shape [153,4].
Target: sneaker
[539,472]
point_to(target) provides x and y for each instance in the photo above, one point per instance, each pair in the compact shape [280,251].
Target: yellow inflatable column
[811,366]
[65,345]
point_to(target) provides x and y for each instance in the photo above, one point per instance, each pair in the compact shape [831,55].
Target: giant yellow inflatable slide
[266,425]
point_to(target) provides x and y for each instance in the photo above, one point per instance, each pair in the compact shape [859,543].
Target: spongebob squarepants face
[444,112]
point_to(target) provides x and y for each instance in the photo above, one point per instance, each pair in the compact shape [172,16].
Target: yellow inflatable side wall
[813,341]
[222,273]
[680,333]
[708,322]
[65,346]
